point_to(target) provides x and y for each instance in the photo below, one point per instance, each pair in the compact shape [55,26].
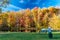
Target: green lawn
[27,36]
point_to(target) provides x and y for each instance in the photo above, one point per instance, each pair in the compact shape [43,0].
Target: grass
[27,36]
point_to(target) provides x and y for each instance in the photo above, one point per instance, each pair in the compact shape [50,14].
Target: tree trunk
[0,10]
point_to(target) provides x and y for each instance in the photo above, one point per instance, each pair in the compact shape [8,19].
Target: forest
[30,20]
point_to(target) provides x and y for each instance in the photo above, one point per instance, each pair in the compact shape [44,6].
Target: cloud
[57,6]
[21,1]
[11,7]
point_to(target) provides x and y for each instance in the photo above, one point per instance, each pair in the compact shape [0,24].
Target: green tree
[3,3]
[0,10]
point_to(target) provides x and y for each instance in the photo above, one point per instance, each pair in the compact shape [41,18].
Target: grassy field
[27,36]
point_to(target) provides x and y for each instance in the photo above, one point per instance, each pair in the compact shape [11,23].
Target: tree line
[30,20]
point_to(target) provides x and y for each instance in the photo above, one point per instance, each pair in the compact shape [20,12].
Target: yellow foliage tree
[55,22]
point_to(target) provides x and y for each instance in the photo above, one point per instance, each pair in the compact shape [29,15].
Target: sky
[24,4]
